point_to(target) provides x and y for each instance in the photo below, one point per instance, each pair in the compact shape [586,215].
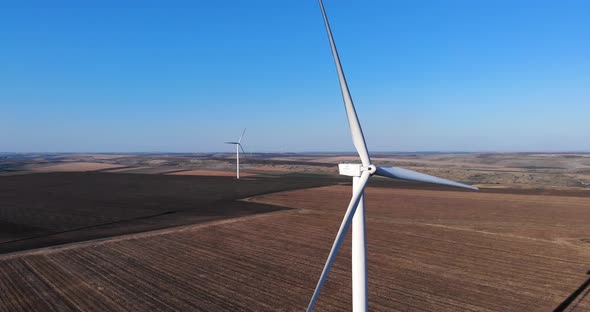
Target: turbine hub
[370,168]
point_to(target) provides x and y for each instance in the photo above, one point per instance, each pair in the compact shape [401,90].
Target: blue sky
[132,76]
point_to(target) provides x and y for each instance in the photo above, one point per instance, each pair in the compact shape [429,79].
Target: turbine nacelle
[355,170]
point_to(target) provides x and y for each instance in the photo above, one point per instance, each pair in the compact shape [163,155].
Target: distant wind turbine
[355,213]
[238,147]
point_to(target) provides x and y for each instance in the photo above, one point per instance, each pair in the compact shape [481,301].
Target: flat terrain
[211,173]
[74,167]
[125,232]
[429,250]
[499,170]
[38,210]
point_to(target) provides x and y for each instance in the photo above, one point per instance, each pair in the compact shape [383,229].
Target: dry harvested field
[74,167]
[511,170]
[429,250]
[559,216]
[211,173]
[146,170]
[269,169]
[103,156]
[125,169]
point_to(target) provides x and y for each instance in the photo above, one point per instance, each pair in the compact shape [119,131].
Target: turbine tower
[355,213]
[238,147]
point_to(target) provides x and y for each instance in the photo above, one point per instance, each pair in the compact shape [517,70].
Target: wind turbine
[238,147]
[355,213]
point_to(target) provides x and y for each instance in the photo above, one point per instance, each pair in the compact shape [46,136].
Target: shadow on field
[48,209]
[569,300]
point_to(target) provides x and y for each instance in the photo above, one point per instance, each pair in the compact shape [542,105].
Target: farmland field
[38,210]
[429,250]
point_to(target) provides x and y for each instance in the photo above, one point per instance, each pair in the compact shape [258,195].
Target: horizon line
[316,152]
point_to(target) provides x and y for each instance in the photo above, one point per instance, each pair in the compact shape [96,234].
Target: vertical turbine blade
[356,195]
[241,136]
[353,122]
[243,151]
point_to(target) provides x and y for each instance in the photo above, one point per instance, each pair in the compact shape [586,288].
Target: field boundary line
[125,237]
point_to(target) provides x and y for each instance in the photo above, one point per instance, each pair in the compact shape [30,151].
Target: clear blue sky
[116,76]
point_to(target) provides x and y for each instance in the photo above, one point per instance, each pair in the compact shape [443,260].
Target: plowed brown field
[211,173]
[429,250]
[75,167]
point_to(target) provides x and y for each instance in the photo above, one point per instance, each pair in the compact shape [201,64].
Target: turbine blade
[241,136]
[405,174]
[231,142]
[243,151]
[353,122]
[340,236]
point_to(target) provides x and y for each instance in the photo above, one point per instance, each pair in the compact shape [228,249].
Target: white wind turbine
[238,147]
[355,212]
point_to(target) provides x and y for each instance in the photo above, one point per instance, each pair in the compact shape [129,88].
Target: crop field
[74,167]
[38,210]
[497,170]
[429,250]
[211,173]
